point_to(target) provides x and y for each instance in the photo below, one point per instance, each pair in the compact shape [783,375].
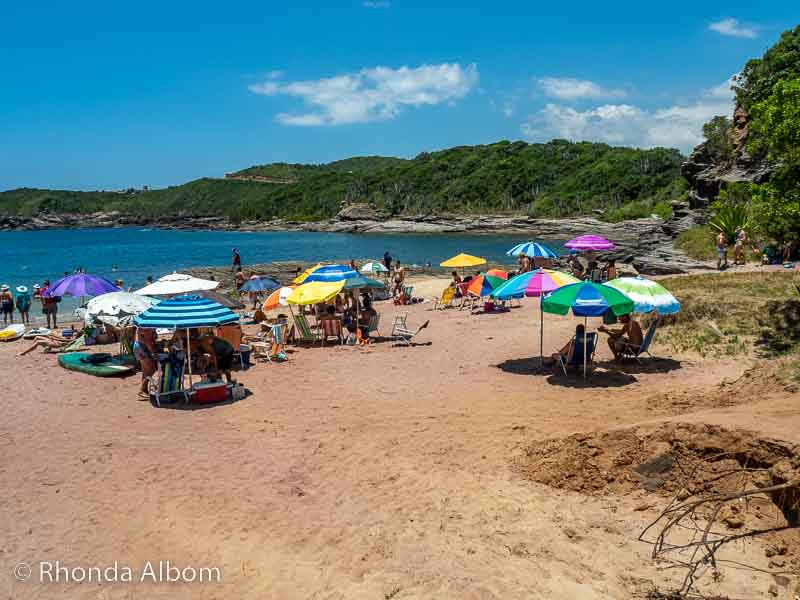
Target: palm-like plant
[729,218]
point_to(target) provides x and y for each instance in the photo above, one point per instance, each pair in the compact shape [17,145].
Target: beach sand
[377,473]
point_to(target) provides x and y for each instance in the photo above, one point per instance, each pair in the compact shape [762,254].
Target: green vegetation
[697,243]
[730,314]
[768,89]
[728,219]
[557,179]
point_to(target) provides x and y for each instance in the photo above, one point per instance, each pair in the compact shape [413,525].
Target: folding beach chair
[448,296]
[303,332]
[577,357]
[372,326]
[633,351]
[399,321]
[405,335]
[331,328]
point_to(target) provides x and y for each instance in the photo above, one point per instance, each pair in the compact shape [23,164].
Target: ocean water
[132,254]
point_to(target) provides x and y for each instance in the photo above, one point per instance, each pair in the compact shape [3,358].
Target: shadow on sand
[647,365]
[596,378]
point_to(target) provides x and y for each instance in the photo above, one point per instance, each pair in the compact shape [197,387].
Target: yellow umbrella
[463,260]
[302,277]
[315,292]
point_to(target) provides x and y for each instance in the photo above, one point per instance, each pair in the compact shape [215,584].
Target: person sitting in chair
[629,337]
[568,349]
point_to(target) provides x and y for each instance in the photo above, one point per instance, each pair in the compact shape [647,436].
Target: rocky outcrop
[707,173]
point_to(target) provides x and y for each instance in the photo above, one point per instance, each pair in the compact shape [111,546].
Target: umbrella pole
[541,333]
[189,356]
[585,324]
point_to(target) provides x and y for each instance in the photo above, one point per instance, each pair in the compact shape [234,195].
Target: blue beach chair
[576,357]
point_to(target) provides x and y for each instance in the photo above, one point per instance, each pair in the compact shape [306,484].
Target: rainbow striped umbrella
[532,249]
[484,284]
[498,273]
[533,283]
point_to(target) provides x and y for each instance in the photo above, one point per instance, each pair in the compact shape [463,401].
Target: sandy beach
[378,472]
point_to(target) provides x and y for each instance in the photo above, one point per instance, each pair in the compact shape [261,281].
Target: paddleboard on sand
[111,367]
[32,333]
[12,332]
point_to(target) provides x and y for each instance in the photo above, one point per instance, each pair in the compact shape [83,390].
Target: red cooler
[208,393]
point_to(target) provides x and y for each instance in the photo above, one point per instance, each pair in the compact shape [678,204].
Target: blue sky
[103,95]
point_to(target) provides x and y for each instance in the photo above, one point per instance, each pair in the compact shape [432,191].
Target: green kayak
[81,362]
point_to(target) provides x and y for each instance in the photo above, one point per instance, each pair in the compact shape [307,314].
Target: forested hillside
[557,179]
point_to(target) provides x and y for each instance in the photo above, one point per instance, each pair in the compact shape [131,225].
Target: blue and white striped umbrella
[183,312]
[532,249]
[331,273]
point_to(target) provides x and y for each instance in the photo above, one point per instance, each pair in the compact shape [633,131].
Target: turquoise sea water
[131,254]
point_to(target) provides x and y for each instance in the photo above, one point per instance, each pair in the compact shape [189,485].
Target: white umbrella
[114,307]
[177,283]
[374,267]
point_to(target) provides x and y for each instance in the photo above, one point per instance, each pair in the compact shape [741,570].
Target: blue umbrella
[533,250]
[260,283]
[185,312]
[331,273]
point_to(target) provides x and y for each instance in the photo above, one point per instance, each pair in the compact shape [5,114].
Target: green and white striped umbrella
[647,295]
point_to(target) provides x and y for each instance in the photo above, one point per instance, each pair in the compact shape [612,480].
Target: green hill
[557,179]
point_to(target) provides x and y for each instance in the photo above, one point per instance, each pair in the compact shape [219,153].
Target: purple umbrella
[80,285]
[589,242]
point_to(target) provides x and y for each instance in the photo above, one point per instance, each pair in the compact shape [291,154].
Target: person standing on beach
[387,261]
[24,304]
[6,304]
[49,305]
[738,247]
[722,251]
[145,351]
[237,261]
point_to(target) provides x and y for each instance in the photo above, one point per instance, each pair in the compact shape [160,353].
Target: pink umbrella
[589,242]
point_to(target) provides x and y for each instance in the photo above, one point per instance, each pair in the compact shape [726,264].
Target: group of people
[22,301]
[721,244]
[624,340]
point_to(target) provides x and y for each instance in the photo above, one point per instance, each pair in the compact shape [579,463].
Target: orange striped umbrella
[277,298]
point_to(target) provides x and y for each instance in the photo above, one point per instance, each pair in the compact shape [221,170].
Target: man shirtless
[630,336]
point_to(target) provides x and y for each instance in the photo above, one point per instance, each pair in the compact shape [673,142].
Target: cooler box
[208,393]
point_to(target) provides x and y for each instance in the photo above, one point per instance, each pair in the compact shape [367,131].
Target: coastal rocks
[357,212]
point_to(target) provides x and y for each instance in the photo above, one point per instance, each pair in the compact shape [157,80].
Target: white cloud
[677,126]
[376,4]
[374,94]
[732,27]
[567,88]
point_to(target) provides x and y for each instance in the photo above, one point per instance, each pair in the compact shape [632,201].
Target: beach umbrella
[176,284]
[260,283]
[587,299]
[589,242]
[81,284]
[315,292]
[302,277]
[484,284]
[187,311]
[498,273]
[647,295]
[534,284]
[277,298]
[461,261]
[374,267]
[114,307]
[220,298]
[531,250]
[359,282]
[330,273]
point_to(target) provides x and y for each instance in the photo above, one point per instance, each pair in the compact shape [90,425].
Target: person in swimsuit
[629,337]
[49,305]
[49,343]
[24,304]
[145,351]
[6,304]
[722,251]
[220,353]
